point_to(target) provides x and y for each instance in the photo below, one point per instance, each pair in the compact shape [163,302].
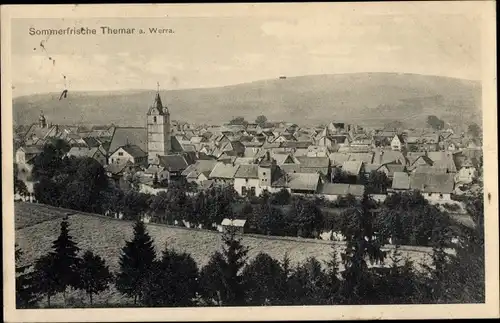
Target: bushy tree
[173,281]
[308,284]
[409,219]
[134,204]
[261,120]
[270,220]
[20,188]
[94,274]
[377,183]
[238,121]
[306,216]
[263,279]
[474,130]
[435,123]
[282,197]
[136,262]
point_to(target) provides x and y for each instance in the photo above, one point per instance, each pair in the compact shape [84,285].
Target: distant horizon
[137,89]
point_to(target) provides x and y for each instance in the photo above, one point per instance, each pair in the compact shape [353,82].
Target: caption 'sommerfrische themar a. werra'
[102,30]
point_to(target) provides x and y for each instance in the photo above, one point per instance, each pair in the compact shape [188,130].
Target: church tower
[158,119]
[42,122]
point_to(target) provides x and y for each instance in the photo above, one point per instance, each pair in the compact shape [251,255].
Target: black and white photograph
[250,157]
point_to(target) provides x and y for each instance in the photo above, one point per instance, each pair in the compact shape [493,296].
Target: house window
[243,190]
[429,194]
[112,160]
[120,154]
[154,119]
[440,196]
[264,173]
[252,191]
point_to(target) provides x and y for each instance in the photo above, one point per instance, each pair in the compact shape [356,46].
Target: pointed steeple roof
[158,105]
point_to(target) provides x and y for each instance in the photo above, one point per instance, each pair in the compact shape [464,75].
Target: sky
[216,51]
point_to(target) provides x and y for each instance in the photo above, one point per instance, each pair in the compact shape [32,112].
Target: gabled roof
[129,135]
[134,151]
[31,149]
[315,162]
[432,183]
[442,159]
[247,171]
[401,181]
[117,168]
[298,181]
[334,189]
[222,170]
[400,138]
[296,144]
[283,158]
[429,170]
[364,157]
[352,167]
[372,167]
[303,181]
[388,156]
[79,152]
[393,168]
[337,159]
[173,163]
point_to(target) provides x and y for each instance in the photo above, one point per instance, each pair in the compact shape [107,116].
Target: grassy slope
[304,99]
[107,236]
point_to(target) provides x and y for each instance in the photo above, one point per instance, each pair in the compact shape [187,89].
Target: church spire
[157,104]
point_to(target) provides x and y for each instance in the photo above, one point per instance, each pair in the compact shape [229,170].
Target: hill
[38,225]
[367,98]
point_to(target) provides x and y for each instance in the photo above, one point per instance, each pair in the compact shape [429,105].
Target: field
[38,225]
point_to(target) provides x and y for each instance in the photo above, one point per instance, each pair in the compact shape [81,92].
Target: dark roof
[134,151]
[432,183]
[129,135]
[173,163]
[296,144]
[91,142]
[157,106]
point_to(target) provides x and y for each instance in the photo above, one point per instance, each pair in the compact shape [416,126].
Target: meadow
[38,225]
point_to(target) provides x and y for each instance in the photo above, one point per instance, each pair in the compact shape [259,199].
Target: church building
[158,128]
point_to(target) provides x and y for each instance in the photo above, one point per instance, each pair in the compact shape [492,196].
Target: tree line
[350,276]
[81,184]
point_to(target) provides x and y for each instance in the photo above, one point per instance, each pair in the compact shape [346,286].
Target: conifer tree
[235,257]
[211,279]
[46,276]
[66,260]
[95,275]
[332,275]
[263,279]
[26,295]
[221,278]
[136,262]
